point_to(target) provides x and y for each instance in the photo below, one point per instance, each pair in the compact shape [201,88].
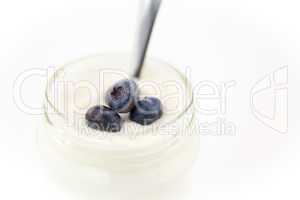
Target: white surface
[221,41]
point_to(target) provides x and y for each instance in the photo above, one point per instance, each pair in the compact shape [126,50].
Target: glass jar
[139,158]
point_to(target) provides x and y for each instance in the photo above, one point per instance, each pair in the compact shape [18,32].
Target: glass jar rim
[89,141]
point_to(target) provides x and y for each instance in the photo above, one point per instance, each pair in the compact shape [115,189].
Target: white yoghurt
[149,154]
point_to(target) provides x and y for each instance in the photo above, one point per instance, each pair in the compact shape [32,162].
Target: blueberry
[146,111]
[103,118]
[121,96]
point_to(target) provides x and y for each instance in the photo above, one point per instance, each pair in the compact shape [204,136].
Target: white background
[219,40]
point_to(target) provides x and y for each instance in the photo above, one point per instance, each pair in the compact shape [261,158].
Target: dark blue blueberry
[121,96]
[146,111]
[103,118]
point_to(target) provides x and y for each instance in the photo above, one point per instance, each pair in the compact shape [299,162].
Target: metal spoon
[148,13]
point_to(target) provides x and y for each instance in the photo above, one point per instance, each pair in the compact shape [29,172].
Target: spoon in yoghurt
[146,21]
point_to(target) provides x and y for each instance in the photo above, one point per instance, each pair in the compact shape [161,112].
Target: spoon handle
[148,13]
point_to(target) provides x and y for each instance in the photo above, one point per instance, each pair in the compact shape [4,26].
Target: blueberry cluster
[123,97]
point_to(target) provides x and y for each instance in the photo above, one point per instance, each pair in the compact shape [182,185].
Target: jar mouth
[57,118]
